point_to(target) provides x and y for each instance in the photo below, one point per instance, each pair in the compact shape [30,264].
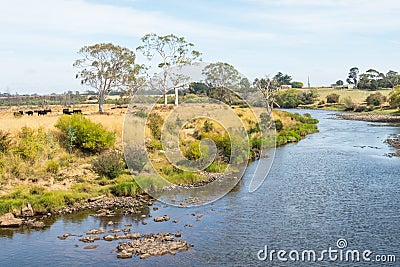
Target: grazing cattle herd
[45,112]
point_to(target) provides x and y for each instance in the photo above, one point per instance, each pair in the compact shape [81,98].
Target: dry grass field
[112,120]
[358,96]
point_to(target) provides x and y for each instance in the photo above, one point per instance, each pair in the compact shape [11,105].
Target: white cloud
[325,16]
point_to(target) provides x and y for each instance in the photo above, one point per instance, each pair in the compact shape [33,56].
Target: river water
[336,184]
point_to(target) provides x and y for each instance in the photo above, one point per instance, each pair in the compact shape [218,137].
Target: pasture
[357,96]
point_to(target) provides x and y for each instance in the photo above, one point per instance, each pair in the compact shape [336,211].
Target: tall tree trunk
[101,101]
[165,98]
[176,97]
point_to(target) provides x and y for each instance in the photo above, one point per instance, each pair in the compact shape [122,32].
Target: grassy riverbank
[38,167]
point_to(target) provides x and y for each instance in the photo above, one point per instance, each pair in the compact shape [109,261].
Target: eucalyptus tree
[107,67]
[353,76]
[170,51]
[223,79]
[268,88]
[393,78]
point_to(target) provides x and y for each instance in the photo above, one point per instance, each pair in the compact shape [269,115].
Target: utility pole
[308,82]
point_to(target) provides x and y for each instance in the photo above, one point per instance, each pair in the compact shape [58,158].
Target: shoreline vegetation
[47,167]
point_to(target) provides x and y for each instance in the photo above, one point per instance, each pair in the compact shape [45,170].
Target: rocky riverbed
[372,117]
[101,206]
[394,141]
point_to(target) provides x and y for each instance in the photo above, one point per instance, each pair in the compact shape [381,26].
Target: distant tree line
[371,79]
[41,100]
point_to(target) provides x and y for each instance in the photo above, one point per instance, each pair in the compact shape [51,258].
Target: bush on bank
[88,136]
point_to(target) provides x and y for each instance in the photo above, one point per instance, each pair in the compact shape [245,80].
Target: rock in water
[8,220]
[90,247]
[27,211]
[124,255]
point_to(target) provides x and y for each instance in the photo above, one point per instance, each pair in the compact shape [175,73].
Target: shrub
[141,113]
[154,145]
[110,164]
[71,138]
[375,99]
[155,122]
[208,126]
[136,158]
[361,108]
[52,166]
[85,134]
[278,125]
[394,98]
[348,103]
[297,84]
[193,151]
[308,97]
[332,98]
[32,143]
[5,141]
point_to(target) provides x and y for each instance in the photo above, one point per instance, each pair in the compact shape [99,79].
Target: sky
[321,39]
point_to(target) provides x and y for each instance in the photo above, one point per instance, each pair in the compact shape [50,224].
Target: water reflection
[330,185]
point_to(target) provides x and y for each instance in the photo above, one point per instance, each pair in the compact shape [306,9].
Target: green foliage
[303,119]
[106,67]
[217,167]
[394,98]
[125,189]
[33,143]
[193,151]
[136,158]
[154,145]
[361,108]
[5,141]
[283,79]
[308,97]
[208,126]
[52,166]
[198,88]
[110,164]
[375,99]
[40,199]
[353,76]
[141,113]
[155,123]
[291,98]
[71,138]
[84,134]
[297,84]
[83,188]
[332,98]
[288,98]
[278,125]
[222,142]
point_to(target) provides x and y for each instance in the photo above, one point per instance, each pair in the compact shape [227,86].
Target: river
[336,184]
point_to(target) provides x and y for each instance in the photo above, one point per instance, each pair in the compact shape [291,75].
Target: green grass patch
[42,201]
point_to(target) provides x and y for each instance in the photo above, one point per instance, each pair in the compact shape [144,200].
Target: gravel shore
[372,117]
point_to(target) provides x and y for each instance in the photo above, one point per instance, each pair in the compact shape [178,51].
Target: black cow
[66,111]
[21,112]
[29,113]
[47,111]
[77,111]
[42,112]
